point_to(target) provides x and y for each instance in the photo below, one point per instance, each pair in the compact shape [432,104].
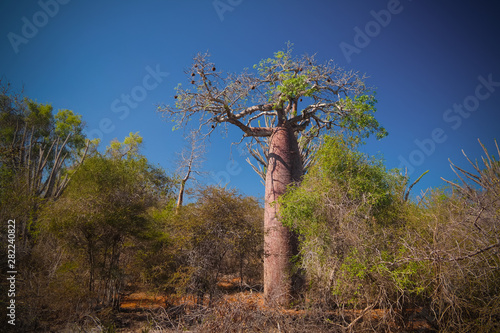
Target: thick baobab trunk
[280,244]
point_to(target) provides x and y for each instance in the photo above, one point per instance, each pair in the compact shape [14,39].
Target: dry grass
[246,311]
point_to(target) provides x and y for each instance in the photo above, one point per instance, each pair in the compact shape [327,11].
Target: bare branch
[217,97]
[298,92]
[190,159]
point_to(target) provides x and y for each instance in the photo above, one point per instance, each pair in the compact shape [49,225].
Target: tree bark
[280,244]
[180,197]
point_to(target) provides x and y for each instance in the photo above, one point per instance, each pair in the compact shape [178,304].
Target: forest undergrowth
[102,247]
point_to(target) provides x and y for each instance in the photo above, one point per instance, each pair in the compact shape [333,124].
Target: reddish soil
[147,301]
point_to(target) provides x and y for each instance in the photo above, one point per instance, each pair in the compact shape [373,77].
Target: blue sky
[434,63]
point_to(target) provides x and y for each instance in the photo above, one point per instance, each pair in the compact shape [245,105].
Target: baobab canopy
[298,91]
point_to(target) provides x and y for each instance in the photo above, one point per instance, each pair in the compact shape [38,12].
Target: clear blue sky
[431,61]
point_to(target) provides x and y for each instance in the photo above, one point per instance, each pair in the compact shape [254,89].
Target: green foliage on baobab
[361,116]
[308,95]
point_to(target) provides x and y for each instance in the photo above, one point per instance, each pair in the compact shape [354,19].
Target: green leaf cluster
[356,177]
[360,118]
[110,207]
[293,86]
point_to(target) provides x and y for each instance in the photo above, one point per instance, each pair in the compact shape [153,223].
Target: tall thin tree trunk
[180,197]
[280,244]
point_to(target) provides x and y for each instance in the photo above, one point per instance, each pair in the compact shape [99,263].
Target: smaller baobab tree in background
[189,162]
[285,103]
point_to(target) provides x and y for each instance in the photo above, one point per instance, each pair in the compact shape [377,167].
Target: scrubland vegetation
[95,227]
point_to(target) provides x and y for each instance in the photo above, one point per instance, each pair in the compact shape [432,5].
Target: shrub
[220,234]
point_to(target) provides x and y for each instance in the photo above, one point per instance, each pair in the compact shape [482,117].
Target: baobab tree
[283,102]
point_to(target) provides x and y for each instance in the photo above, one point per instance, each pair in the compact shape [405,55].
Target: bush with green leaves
[345,205]
[220,234]
[350,213]
[456,236]
[105,213]
[39,149]
[364,245]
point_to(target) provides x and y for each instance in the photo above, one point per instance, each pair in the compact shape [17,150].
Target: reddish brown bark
[280,244]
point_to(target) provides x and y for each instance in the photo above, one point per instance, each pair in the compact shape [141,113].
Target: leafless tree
[481,188]
[190,161]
